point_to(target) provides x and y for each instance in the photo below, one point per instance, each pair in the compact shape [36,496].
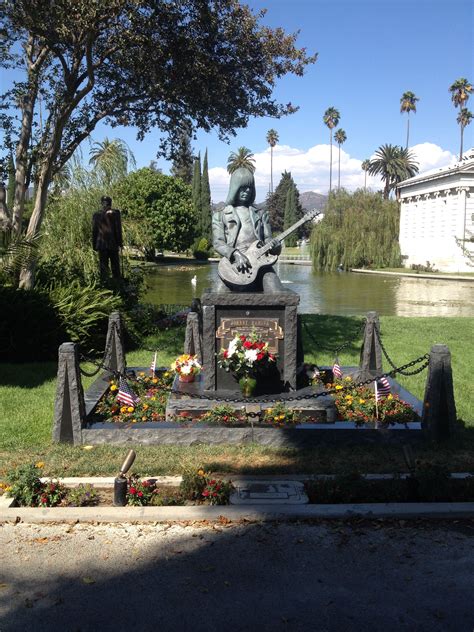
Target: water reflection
[339,293]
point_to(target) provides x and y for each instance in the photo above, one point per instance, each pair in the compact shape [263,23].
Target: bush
[82,496]
[31,328]
[202,249]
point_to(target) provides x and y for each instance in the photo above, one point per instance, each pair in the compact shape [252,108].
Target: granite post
[371,352]
[439,408]
[114,357]
[69,407]
[193,340]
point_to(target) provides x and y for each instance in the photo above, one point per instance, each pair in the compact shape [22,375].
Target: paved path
[328,576]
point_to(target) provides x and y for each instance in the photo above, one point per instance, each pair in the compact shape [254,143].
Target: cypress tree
[276,202]
[196,187]
[206,216]
[290,216]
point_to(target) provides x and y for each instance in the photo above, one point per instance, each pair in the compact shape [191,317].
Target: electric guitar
[259,256]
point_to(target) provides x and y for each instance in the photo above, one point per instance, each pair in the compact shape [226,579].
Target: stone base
[314,409]
[272,316]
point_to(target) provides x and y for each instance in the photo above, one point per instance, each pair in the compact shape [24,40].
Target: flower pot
[186,378]
[247,385]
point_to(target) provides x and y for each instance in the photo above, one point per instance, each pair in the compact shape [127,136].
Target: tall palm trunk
[271,169]
[365,180]
[330,160]
[462,137]
[339,170]
[408,128]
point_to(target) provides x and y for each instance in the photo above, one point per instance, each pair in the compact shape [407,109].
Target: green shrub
[25,485]
[202,249]
[82,496]
[30,327]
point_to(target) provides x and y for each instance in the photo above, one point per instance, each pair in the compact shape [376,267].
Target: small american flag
[126,395]
[382,388]
[153,365]
[336,369]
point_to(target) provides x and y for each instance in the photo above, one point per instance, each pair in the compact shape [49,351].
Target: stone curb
[257,513]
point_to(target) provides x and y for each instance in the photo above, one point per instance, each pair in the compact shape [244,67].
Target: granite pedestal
[272,316]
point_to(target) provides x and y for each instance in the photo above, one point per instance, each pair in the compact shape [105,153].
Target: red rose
[247,344]
[243,338]
[140,494]
[132,490]
[212,482]
[214,493]
[226,353]
[205,493]
[260,356]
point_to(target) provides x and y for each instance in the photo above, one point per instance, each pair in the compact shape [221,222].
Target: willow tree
[122,62]
[358,230]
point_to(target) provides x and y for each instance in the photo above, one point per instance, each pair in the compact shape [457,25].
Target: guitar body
[228,271]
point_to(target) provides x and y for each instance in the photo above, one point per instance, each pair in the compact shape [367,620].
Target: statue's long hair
[241,177]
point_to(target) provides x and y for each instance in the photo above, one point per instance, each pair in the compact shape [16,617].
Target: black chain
[334,350]
[392,364]
[108,347]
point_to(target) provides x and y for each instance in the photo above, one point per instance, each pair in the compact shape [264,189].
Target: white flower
[232,347]
[250,356]
[186,369]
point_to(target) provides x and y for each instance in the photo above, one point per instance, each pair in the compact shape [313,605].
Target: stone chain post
[439,408]
[114,358]
[193,338]
[69,407]
[371,353]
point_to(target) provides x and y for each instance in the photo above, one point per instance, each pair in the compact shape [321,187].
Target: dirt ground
[325,576]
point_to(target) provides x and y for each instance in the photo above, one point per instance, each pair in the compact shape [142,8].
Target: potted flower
[187,367]
[247,357]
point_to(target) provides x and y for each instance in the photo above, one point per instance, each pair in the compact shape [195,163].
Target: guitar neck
[282,236]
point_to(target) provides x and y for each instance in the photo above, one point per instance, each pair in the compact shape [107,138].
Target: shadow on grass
[327,332]
[28,375]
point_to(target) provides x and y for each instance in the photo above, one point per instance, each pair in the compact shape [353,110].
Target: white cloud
[310,169]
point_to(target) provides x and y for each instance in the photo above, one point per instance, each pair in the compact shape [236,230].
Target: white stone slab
[271,492]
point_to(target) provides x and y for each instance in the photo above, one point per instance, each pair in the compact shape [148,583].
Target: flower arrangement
[358,404]
[187,367]
[220,415]
[199,485]
[280,416]
[246,356]
[152,393]
[140,493]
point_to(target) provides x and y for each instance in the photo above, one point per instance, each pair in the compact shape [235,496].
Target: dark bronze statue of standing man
[107,237]
[241,228]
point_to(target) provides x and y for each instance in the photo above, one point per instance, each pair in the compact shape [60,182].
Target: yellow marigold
[40,464]
[390,396]
[123,409]
[155,380]
[269,410]
[201,473]
[145,407]
[338,387]
[143,418]
[166,374]
[113,387]
[348,396]
[281,417]
[348,378]
[130,409]
[134,421]
[361,401]
[142,374]
[153,399]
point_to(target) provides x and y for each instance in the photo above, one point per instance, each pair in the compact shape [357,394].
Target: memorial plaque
[267,329]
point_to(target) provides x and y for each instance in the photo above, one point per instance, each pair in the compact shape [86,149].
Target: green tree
[464,119]
[331,119]
[276,203]
[272,140]
[365,167]
[340,137]
[408,104]
[121,61]
[460,92]
[183,158]
[111,158]
[290,218]
[393,164]
[243,157]
[196,191]
[161,205]
[206,214]
[358,230]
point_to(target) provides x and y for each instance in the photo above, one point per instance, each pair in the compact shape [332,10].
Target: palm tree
[272,140]
[464,118]
[393,164]
[460,91]
[340,137]
[365,167]
[111,158]
[408,104]
[243,157]
[331,119]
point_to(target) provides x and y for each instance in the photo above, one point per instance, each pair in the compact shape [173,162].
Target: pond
[341,293]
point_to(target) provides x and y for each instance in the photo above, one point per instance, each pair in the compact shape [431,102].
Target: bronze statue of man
[236,228]
[107,237]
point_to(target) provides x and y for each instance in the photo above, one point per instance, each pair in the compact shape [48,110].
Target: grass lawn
[27,395]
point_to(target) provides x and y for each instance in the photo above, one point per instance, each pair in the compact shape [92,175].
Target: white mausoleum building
[437,217]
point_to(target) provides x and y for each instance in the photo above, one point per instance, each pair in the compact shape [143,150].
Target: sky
[369,53]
